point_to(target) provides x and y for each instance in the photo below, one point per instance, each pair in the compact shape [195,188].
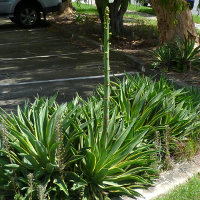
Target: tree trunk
[67,6]
[117,11]
[174,24]
[101,7]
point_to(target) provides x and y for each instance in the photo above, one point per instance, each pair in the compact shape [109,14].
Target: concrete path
[42,61]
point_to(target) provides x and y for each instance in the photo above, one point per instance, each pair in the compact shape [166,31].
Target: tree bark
[101,7]
[173,24]
[117,11]
[67,6]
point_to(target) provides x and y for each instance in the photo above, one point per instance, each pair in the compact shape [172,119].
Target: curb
[169,179]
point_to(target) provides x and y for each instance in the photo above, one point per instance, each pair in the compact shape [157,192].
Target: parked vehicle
[27,13]
[190,3]
[145,3]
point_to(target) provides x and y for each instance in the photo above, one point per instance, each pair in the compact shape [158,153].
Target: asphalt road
[42,61]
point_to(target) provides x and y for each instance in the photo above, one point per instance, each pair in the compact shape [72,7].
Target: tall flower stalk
[106,71]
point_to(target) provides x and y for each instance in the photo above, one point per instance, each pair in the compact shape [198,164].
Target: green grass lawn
[139,8]
[91,10]
[188,191]
[134,18]
[196,19]
[85,8]
[131,18]
[149,10]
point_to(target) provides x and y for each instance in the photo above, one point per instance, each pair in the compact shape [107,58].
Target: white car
[27,13]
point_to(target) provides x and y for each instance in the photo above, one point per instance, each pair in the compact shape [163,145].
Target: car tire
[12,19]
[145,4]
[27,16]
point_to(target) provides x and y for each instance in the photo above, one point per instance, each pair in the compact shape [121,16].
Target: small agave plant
[181,55]
[39,141]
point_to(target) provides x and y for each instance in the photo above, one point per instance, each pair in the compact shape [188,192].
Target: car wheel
[12,19]
[145,4]
[27,16]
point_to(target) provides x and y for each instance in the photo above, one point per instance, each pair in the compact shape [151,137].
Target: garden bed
[61,152]
[60,149]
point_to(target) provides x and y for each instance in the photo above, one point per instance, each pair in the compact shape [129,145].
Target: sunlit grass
[187,191]
[149,10]
[134,18]
[130,18]
[82,8]
[196,19]
[139,8]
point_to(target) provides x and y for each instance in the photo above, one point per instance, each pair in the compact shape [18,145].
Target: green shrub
[178,56]
[60,152]
[117,162]
[39,140]
[155,105]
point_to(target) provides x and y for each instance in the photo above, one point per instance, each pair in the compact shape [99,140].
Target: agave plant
[74,150]
[187,56]
[181,55]
[155,105]
[112,152]
[163,56]
[40,140]
[117,162]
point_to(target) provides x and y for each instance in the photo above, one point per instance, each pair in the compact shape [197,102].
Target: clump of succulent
[181,55]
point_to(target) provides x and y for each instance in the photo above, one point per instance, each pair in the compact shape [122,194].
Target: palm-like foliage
[41,140]
[163,56]
[83,159]
[154,105]
[187,54]
[116,162]
[64,149]
[179,56]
